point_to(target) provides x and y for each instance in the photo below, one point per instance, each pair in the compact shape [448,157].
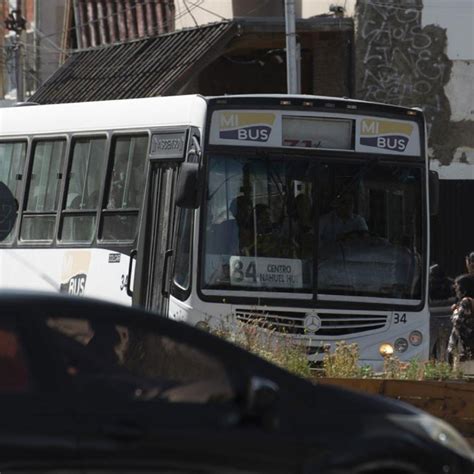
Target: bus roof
[315,101]
[153,112]
[104,115]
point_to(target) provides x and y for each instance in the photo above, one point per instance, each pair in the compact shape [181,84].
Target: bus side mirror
[187,188]
[8,211]
[434,192]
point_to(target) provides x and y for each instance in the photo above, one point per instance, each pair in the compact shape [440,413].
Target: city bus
[305,215]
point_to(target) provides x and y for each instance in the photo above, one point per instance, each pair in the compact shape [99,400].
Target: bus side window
[12,163]
[183,260]
[126,184]
[39,216]
[83,188]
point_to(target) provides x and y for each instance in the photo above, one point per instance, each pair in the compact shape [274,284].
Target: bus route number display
[317,132]
[266,272]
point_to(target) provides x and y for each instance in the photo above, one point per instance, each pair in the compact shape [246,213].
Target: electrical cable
[166,23]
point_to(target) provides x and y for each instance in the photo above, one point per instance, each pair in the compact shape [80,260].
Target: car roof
[26,305]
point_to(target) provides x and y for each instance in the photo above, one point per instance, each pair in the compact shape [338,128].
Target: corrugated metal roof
[144,68]
[101,22]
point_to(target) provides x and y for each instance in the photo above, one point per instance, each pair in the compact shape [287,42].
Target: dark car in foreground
[88,386]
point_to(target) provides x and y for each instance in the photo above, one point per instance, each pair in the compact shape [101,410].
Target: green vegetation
[260,337]
[277,348]
[343,363]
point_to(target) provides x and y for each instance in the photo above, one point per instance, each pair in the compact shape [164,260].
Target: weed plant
[261,338]
[344,363]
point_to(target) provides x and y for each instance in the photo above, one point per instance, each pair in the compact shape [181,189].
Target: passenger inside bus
[341,221]
[234,235]
[266,241]
[303,232]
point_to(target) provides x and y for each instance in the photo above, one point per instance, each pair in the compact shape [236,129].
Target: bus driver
[341,220]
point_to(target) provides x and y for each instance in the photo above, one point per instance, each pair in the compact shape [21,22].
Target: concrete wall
[207,11]
[49,26]
[422,56]
[320,7]
[457,18]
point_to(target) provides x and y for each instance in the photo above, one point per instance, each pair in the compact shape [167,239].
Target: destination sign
[314,132]
[266,272]
[168,145]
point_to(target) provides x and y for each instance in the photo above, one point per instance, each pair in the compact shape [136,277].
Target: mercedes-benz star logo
[312,323]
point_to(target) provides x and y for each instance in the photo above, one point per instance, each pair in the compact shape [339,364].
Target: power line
[204,9]
[391,6]
[9,51]
[46,38]
[249,12]
[166,23]
[185,3]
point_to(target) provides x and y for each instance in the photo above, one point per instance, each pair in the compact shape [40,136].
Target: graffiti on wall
[398,61]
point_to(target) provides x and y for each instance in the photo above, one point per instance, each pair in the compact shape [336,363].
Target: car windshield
[291,224]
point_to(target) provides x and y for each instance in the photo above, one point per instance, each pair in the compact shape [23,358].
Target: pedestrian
[441,287]
[461,339]
[470,263]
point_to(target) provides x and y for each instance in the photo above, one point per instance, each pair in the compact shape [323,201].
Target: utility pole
[292,50]
[15,22]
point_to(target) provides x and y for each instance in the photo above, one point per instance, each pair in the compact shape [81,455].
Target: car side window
[138,363]
[14,372]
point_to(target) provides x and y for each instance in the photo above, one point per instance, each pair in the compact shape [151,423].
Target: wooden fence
[452,401]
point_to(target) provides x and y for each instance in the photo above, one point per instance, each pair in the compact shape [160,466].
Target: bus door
[154,253]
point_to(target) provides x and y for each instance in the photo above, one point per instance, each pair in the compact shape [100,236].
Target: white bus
[307,214]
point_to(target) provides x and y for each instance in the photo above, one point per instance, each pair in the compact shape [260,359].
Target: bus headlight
[386,349]
[415,338]
[401,344]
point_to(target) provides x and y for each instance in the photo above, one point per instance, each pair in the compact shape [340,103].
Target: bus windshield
[313,225]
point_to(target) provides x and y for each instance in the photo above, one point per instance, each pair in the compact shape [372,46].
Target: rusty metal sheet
[141,68]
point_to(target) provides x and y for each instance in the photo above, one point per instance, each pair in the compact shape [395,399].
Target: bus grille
[332,324]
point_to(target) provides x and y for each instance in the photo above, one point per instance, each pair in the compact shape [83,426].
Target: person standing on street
[461,340]
[470,263]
